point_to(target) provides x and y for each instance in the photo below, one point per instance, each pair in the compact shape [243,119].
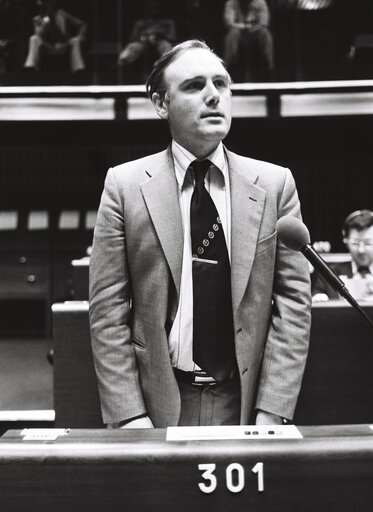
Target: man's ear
[161,105]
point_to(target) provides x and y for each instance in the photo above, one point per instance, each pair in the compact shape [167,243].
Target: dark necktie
[363,271]
[213,335]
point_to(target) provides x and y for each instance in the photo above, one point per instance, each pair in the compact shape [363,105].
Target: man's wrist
[270,418]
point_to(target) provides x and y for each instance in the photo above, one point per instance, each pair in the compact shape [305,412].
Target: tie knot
[200,168]
[363,270]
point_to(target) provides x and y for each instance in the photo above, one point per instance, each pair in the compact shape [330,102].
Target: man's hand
[267,418]
[320,297]
[143,422]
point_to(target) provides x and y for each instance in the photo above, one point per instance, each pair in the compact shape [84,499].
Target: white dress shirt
[217,184]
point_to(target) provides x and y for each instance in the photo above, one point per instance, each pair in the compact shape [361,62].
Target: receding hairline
[155,81]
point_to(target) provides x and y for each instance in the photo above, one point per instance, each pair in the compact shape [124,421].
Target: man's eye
[194,85]
[221,84]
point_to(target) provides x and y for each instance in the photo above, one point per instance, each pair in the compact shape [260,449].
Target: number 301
[234,477]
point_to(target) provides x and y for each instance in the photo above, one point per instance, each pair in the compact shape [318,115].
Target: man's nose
[212,94]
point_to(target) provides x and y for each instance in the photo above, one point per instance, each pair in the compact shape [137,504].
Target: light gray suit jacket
[135,273]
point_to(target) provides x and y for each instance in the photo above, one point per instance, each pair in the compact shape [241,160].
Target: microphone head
[293,233]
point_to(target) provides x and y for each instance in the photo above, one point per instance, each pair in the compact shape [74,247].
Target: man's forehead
[362,233]
[195,62]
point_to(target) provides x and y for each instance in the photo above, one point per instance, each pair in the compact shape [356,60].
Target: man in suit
[147,305]
[357,273]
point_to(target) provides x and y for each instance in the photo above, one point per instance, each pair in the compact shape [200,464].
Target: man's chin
[215,132]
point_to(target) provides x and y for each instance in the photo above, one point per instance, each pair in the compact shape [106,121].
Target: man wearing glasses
[357,274]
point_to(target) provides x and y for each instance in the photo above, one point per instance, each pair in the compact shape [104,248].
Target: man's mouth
[212,114]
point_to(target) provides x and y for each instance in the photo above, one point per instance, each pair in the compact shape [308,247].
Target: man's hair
[155,81]
[359,220]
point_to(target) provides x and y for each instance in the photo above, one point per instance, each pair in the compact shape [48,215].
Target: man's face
[360,245]
[197,104]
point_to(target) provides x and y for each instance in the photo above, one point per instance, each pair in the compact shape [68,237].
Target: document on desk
[227,432]
[43,434]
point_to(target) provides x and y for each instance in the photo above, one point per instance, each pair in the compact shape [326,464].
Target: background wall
[63,164]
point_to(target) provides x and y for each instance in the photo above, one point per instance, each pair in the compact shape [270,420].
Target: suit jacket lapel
[161,197]
[247,203]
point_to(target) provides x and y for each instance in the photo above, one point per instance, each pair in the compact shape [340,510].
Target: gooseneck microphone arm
[319,264]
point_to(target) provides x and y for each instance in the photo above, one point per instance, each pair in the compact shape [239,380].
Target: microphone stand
[317,261]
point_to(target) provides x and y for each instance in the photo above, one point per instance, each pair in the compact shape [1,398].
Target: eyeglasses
[356,243]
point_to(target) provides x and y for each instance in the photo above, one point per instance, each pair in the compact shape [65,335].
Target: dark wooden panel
[80,269]
[76,400]
[338,382]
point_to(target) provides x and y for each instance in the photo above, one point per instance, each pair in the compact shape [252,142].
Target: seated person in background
[357,274]
[56,32]
[151,37]
[248,38]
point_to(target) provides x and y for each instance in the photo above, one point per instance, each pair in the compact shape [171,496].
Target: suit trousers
[217,404]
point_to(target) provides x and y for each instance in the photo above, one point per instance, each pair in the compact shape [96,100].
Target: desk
[330,469]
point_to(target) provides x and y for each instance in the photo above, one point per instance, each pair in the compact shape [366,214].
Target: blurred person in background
[248,43]
[357,274]
[151,37]
[56,32]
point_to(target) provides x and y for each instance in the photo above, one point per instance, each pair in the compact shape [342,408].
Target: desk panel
[76,398]
[330,469]
[337,386]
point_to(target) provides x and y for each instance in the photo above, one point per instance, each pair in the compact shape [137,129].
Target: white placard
[43,434]
[248,432]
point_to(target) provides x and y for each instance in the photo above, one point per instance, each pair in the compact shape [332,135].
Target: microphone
[295,235]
